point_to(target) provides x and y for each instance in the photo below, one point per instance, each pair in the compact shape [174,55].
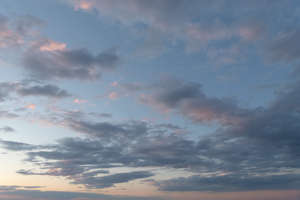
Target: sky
[149,100]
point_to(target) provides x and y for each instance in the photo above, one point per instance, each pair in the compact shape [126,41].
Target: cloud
[110,180]
[28,89]
[17,146]
[52,46]
[263,149]
[13,32]
[7,114]
[231,183]
[197,23]
[285,47]
[8,37]
[28,25]
[49,60]
[43,90]
[17,193]
[7,129]
[189,100]
[31,106]
[80,101]
[113,96]
[11,188]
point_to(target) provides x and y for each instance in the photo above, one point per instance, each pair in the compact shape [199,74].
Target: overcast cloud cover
[140,100]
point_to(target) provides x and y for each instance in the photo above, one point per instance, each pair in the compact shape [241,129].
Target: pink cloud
[53,46]
[31,106]
[115,84]
[83,5]
[113,95]
[80,101]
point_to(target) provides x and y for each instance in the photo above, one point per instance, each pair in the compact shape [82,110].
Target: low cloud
[189,100]
[49,60]
[24,89]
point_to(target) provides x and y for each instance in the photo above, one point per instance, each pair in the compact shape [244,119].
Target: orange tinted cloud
[114,84]
[53,46]
[113,95]
[31,106]
[79,101]
[84,5]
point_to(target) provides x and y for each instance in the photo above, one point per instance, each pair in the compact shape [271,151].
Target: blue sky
[139,99]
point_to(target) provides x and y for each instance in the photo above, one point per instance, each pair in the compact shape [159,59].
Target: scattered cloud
[56,62]
[24,89]
[189,100]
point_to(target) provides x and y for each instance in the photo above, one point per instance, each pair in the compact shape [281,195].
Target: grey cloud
[68,64]
[195,22]
[286,47]
[111,180]
[7,129]
[189,100]
[6,188]
[26,24]
[5,89]
[24,88]
[101,115]
[17,146]
[7,114]
[43,90]
[231,183]
[263,149]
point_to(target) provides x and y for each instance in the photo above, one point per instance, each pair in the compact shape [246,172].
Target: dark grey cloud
[231,183]
[68,64]
[101,115]
[25,88]
[17,146]
[110,180]
[263,148]
[43,90]
[189,100]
